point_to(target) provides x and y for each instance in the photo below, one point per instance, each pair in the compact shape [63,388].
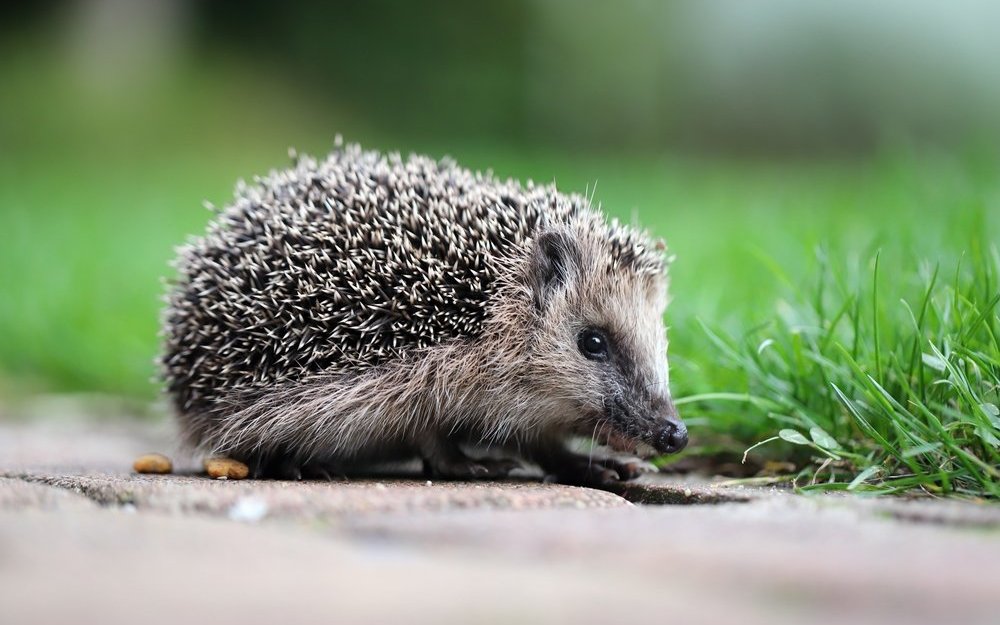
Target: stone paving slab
[83,540]
[317,499]
[109,567]
[832,559]
[756,563]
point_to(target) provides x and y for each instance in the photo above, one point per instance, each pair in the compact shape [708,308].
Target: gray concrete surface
[83,540]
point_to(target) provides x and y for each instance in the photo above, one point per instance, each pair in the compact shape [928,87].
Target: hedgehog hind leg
[443,458]
[273,466]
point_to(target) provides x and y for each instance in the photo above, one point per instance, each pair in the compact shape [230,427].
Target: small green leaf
[863,476]
[934,362]
[821,438]
[793,436]
[988,437]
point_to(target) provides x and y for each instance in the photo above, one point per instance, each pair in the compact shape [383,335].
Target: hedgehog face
[602,342]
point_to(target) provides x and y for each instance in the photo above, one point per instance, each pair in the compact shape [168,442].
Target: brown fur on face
[274,362]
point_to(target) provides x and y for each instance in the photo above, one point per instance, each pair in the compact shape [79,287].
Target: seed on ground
[226,468]
[153,463]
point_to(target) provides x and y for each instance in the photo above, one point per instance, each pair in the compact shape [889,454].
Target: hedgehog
[364,309]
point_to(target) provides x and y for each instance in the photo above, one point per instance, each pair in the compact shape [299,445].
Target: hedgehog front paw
[586,474]
[629,468]
[600,472]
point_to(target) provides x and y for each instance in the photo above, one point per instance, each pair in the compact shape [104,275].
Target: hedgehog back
[341,266]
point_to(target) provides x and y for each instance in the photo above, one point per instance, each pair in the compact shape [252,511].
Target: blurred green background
[749,135]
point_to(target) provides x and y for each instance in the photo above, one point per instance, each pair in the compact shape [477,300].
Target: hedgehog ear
[555,264]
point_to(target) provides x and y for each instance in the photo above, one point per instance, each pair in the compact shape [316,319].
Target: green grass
[883,384]
[868,375]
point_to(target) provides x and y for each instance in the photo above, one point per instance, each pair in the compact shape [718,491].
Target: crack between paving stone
[674,495]
[101,495]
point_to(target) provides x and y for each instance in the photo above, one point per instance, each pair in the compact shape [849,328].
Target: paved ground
[83,540]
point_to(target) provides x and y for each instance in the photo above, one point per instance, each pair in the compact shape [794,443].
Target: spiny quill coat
[365,309]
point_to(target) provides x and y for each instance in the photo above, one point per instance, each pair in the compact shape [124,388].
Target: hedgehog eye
[593,344]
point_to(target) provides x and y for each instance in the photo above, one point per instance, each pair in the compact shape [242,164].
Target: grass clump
[878,380]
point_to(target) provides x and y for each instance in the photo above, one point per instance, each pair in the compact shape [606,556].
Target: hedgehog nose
[672,435]
[672,438]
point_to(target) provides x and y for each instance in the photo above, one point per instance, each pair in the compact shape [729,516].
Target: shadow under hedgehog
[365,309]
